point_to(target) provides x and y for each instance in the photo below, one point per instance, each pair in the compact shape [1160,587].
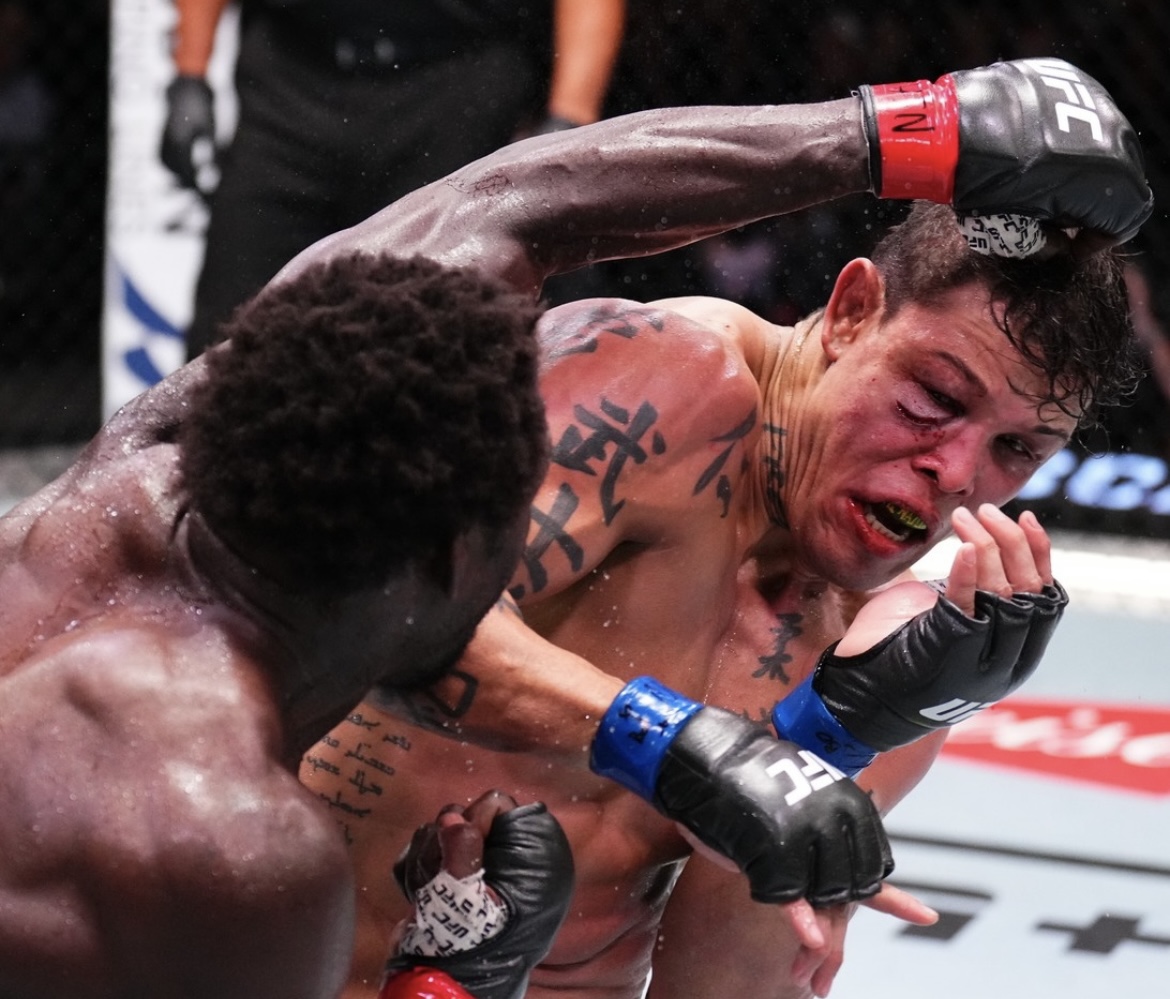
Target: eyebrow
[978,385]
[961,367]
[1044,428]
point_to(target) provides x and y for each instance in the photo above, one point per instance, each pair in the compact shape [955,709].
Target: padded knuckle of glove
[1046,610]
[779,812]
[1036,139]
[1044,139]
[870,862]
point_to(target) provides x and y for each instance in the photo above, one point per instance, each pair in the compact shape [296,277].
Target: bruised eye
[925,405]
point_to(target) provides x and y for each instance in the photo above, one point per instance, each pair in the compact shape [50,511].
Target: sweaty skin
[713,484]
[156,696]
[104,607]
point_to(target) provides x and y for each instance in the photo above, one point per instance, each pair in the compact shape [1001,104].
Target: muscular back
[150,843]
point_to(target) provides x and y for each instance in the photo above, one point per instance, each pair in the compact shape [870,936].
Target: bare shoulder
[575,326]
[168,813]
[652,419]
[103,530]
[751,333]
[153,416]
[129,463]
[625,349]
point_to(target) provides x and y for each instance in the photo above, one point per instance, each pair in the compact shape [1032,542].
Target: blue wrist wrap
[636,731]
[803,718]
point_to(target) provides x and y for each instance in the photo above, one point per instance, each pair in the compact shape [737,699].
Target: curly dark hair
[1067,315]
[366,412]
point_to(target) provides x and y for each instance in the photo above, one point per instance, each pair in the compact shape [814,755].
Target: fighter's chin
[866,574]
[867,553]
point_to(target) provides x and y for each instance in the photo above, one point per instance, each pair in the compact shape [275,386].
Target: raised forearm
[515,692]
[625,187]
[656,180]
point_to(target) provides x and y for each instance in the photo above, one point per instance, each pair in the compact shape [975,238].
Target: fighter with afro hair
[365,413]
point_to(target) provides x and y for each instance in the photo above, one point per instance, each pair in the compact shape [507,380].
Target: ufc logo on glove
[1078,104]
[814,775]
[765,803]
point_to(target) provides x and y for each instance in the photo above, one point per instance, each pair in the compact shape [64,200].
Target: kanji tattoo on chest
[788,627]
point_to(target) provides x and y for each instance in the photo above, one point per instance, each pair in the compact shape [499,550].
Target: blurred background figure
[346,105]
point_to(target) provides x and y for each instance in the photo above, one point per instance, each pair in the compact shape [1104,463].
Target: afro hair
[365,413]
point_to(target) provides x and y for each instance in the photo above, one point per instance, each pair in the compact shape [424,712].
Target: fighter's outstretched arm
[986,140]
[628,186]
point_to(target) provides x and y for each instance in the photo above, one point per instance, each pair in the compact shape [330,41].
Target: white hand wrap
[1003,235]
[452,915]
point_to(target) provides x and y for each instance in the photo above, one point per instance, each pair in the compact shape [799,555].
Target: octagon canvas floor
[1042,835]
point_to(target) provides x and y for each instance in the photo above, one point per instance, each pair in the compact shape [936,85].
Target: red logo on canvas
[1121,747]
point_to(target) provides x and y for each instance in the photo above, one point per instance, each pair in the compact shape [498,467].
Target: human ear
[856,302]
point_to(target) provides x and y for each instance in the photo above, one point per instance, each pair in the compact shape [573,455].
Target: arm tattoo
[601,441]
[551,531]
[615,437]
[507,605]
[434,707]
[580,333]
[608,426]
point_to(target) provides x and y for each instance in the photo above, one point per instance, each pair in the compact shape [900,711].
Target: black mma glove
[937,669]
[792,823]
[188,139]
[1033,137]
[528,862]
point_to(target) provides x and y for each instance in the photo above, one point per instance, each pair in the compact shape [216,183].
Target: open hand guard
[937,669]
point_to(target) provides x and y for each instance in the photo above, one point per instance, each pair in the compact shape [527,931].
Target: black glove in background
[188,139]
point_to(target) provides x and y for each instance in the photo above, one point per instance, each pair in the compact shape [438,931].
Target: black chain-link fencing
[52,177]
[53,114]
